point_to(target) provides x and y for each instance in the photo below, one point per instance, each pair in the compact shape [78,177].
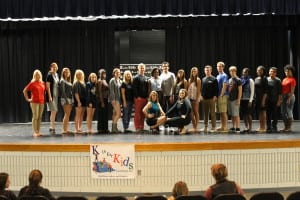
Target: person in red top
[37,89]
[288,98]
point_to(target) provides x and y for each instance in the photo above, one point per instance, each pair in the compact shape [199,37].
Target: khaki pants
[37,112]
[209,107]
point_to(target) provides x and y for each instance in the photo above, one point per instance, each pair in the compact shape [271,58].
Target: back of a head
[180,188]
[3,180]
[35,177]
[219,171]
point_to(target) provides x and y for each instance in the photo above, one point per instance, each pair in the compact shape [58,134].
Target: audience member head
[219,172]
[180,188]
[37,76]
[289,70]
[66,74]
[35,178]
[4,181]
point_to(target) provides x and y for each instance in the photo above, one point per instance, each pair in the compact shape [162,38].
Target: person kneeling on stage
[180,112]
[153,112]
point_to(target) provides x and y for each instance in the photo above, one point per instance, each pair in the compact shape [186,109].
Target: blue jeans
[127,111]
[287,110]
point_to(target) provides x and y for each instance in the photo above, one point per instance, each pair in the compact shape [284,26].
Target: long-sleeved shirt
[209,87]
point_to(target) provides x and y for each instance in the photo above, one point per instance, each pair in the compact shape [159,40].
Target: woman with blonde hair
[154,113]
[66,98]
[91,101]
[194,91]
[37,91]
[223,185]
[127,99]
[115,99]
[79,92]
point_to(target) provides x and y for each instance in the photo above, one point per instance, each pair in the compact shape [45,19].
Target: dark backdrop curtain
[30,9]
[295,45]
[242,41]
[34,45]
[246,44]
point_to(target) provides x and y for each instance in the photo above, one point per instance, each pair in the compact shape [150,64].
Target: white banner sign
[112,161]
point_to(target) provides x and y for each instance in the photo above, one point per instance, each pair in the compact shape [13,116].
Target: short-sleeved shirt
[222,78]
[233,85]
[261,87]
[287,83]
[128,91]
[274,89]
[37,90]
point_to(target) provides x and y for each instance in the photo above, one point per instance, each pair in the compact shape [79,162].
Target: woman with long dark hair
[4,185]
[34,188]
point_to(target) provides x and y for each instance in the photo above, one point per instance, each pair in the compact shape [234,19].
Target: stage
[13,135]
[161,159]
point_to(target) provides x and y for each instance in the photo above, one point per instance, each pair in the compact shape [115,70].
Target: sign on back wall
[133,68]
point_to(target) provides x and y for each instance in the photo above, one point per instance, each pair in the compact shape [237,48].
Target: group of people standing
[163,98]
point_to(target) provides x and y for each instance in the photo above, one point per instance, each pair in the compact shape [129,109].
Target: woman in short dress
[52,84]
[194,91]
[154,113]
[66,98]
[115,99]
[79,93]
[91,101]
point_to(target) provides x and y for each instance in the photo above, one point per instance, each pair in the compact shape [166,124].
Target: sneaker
[261,130]
[213,130]
[232,130]
[237,130]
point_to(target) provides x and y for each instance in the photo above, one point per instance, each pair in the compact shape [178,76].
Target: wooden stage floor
[14,135]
